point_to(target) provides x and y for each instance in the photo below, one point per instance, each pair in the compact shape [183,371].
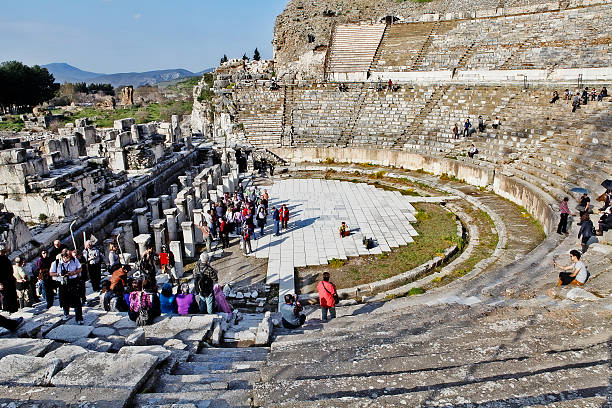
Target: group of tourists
[581,96]
[577,274]
[241,214]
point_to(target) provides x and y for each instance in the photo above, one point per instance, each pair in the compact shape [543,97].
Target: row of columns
[175,215]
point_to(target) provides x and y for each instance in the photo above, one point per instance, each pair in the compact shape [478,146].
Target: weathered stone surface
[66,353]
[103,331]
[70,333]
[24,347]
[106,371]
[158,351]
[54,397]
[98,345]
[109,319]
[116,342]
[27,370]
[124,323]
[137,338]
[175,344]
[579,294]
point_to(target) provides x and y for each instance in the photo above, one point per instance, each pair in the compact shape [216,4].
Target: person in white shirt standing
[67,271]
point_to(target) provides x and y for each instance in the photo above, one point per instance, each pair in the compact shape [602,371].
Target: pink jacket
[326,294]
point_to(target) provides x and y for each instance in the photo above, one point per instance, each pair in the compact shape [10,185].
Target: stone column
[226,185]
[135,134]
[128,236]
[181,207]
[142,240]
[158,233]
[177,250]
[212,195]
[198,219]
[183,181]
[188,239]
[220,191]
[210,180]
[143,225]
[166,201]
[174,189]
[154,206]
[191,202]
[171,214]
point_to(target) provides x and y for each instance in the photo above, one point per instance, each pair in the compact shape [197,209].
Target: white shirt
[582,273]
[61,266]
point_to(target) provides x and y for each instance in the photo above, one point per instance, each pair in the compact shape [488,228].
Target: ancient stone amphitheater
[498,336]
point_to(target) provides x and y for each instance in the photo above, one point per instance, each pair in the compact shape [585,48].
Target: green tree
[245,58]
[24,86]
[224,59]
[256,55]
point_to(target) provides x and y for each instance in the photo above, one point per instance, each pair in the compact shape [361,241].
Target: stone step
[218,367]
[229,357]
[502,379]
[210,399]
[214,380]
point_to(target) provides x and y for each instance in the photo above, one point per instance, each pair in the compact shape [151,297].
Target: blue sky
[109,36]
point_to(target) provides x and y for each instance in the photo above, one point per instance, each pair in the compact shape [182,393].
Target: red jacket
[326,294]
[284,214]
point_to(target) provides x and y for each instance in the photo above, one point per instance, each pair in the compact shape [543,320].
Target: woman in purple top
[185,301]
[221,303]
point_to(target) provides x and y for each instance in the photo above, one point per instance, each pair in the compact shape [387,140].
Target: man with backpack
[67,271]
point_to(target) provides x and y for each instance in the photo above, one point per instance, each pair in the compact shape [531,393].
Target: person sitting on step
[344,230]
[578,274]
[185,301]
[292,318]
[167,300]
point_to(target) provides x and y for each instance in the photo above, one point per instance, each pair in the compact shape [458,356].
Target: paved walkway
[317,207]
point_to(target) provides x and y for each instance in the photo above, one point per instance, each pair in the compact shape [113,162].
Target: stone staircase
[215,377]
[445,355]
[353,47]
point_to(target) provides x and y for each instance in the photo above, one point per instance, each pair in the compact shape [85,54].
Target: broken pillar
[198,219]
[154,208]
[159,228]
[181,206]
[128,236]
[142,241]
[188,239]
[143,225]
[177,250]
[171,223]
[174,189]
[166,202]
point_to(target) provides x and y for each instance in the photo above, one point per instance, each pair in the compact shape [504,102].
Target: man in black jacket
[8,288]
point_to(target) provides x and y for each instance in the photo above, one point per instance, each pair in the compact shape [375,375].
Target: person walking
[113,257]
[276,218]
[328,296]
[206,235]
[564,214]
[167,262]
[246,239]
[261,220]
[93,259]
[148,264]
[67,270]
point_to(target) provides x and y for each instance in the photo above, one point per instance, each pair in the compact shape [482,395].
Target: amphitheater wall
[537,203]
[489,76]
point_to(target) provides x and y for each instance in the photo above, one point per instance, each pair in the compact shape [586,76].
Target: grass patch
[434,227]
[329,160]
[12,123]
[336,263]
[416,291]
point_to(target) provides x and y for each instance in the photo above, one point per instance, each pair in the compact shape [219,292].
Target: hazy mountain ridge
[67,73]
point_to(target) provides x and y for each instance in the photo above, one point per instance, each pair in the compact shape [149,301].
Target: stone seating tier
[573,38]
[354,46]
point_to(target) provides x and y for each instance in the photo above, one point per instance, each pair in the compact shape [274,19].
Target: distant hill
[67,73]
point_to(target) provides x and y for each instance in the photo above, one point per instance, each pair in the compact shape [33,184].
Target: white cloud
[137,16]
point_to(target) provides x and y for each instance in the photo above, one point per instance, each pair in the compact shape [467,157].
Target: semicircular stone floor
[316,208]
